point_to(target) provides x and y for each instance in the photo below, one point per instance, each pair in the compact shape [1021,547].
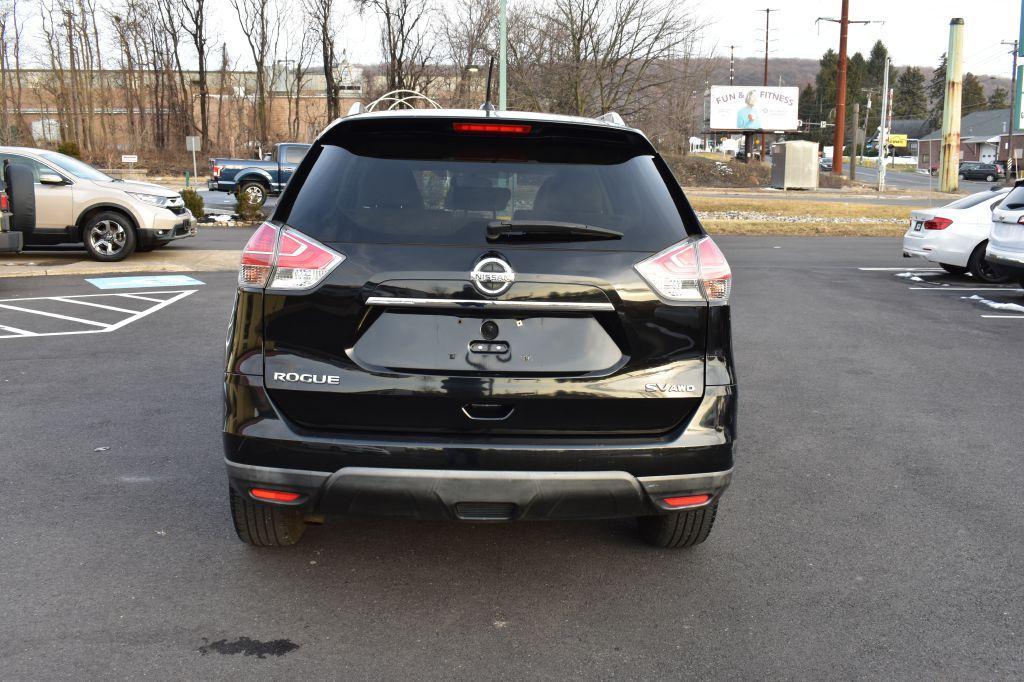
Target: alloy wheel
[108,237]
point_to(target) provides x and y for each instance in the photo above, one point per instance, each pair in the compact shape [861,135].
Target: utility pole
[837,138]
[949,154]
[1011,160]
[853,148]
[732,64]
[883,127]
[503,55]
[767,23]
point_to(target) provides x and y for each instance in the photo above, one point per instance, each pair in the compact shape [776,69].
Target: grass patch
[797,229]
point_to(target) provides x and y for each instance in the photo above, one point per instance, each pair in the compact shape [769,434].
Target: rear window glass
[347,197]
[974,199]
[1014,201]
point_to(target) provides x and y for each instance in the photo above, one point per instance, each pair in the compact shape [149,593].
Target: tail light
[692,270]
[937,223]
[216,171]
[285,259]
[5,203]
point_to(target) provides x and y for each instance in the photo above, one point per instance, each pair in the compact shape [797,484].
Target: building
[913,128]
[980,139]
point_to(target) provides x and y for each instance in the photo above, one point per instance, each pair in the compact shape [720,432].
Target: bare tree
[468,32]
[259,21]
[406,46]
[11,28]
[321,17]
[193,17]
[586,57]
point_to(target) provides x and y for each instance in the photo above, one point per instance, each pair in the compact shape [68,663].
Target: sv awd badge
[669,388]
[296,378]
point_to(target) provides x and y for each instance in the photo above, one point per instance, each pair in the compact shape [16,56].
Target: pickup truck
[17,206]
[253,180]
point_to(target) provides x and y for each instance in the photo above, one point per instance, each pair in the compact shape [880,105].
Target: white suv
[1006,241]
[75,203]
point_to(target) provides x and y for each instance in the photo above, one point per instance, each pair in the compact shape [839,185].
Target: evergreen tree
[910,100]
[973,98]
[937,93]
[999,99]
[876,66]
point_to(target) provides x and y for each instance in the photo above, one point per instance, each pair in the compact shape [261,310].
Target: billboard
[753,108]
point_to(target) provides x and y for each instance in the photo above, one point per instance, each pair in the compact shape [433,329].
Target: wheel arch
[88,213]
[254,174]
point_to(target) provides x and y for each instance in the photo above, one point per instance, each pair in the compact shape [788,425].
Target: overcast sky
[915,31]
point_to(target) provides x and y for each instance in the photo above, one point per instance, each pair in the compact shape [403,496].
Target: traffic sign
[897,140]
[129,158]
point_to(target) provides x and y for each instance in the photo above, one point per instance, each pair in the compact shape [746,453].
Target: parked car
[825,164]
[254,180]
[75,203]
[1006,243]
[955,235]
[975,170]
[480,316]
[17,206]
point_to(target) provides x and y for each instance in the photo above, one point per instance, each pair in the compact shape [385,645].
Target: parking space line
[141,298]
[1006,289]
[15,330]
[138,316]
[55,315]
[901,269]
[1006,317]
[94,305]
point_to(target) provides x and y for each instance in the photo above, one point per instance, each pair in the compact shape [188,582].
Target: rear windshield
[975,199]
[1014,201]
[350,197]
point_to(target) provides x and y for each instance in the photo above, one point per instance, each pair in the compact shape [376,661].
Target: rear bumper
[477,495]
[10,242]
[1009,263]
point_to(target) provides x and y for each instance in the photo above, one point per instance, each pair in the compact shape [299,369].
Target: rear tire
[252,193]
[981,270]
[953,269]
[264,525]
[990,178]
[678,529]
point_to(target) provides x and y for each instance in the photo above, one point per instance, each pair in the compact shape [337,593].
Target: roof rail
[400,99]
[611,118]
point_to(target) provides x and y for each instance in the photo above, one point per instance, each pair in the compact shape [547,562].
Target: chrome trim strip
[468,303]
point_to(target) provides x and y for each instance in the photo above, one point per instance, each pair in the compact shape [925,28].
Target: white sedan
[955,235]
[1006,243]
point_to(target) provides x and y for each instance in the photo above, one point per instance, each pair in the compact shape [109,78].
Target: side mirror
[50,179]
[22,193]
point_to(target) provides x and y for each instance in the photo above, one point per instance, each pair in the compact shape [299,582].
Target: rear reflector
[493,128]
[686,501]
[274,495]
[692,270]
[937,223]
[284,259]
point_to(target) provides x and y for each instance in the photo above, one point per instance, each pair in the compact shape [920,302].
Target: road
[906,180]
[873,528]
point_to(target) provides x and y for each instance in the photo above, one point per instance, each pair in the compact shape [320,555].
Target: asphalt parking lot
[873,528]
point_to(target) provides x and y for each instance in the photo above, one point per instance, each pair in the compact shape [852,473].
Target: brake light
[278,258]
[692,270]
[274,495]
[1020,220]
[5,203]
[493,128]
[216,171]
[937,223]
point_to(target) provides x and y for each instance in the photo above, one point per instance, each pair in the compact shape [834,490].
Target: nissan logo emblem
[492,276]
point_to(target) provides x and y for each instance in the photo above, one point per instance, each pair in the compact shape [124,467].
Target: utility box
[795,165]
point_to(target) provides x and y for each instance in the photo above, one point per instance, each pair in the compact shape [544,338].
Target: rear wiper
[540,230]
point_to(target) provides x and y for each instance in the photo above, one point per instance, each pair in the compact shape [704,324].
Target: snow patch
[995,304]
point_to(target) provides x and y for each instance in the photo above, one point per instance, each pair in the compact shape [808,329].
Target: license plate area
[519,344]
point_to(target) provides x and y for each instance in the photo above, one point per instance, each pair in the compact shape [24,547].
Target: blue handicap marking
[143,282]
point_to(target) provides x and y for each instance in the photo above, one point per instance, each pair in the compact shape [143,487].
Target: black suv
[975,170]
[480,316]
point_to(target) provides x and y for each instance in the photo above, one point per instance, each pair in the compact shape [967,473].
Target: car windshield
[975,199]
[77,168]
